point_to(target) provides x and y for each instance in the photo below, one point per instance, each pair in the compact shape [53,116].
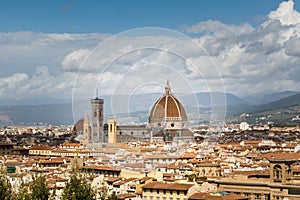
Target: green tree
[103,194]
[5,188]
[113,196]
[40,191]
[53,194]
[78,188]
[23,193]
[191,177]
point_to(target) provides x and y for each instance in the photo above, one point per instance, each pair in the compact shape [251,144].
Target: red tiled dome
[167,107]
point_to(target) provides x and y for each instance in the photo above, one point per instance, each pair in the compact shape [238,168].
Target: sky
[51,51]
[113,16]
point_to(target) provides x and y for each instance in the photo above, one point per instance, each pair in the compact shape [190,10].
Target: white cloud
[286,14]
[250,60]
[74,59]
[10,84]
[219,29]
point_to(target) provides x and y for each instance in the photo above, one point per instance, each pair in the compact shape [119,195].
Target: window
[151,197]
[172,124]
[257,196]
[277,173]
[157,198]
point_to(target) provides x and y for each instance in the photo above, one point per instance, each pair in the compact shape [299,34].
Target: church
[167,122]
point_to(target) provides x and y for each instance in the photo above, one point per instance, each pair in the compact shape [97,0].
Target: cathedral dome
[168,112]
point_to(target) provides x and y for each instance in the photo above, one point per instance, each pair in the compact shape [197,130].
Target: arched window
[277,173]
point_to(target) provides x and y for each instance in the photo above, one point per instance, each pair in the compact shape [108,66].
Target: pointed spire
[86,118]
[96,92]
[167,89]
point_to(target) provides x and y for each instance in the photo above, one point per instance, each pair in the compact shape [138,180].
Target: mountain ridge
[62,113]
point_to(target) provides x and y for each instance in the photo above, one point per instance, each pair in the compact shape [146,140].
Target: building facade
[97,117]
[167,120]
[282,183]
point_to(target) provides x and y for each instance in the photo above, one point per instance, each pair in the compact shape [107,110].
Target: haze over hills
[138,107]
[283,103]
[268,98]
[281,112]
[55,114]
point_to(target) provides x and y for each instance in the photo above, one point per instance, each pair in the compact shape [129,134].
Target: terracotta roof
[167,106]
[173,186]
[281,155]
[113,179]
[71,145]
[172,166]
[6,144]
[124,196]
[51,162]
[101,168]
[135,165]
[42,147]
[124,181]
[12,162]
[145,178]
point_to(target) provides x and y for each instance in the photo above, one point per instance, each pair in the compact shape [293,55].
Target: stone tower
[86,130]
[281,169]
[112,131]
[97,120]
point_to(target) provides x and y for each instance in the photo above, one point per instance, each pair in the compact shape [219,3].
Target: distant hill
[268,98]
[55,114]
[122,104]
[134,107]
[279,104]
[285,104]
[208,99]
[281,112]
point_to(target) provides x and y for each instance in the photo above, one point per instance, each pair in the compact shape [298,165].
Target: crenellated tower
[97,135]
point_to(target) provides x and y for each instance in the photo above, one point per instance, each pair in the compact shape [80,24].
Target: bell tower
[112,131]
[281,170]
[97,135]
